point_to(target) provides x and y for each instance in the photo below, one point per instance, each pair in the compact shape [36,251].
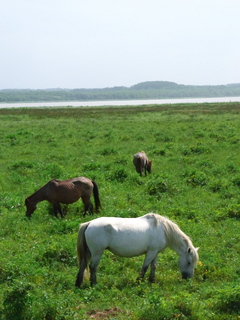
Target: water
[116,102]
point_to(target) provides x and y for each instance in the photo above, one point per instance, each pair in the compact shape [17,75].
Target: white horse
[130,237]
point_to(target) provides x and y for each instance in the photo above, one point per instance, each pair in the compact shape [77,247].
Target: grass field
[195,181]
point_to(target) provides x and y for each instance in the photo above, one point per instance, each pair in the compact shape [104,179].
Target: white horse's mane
[173,233]
[172,230]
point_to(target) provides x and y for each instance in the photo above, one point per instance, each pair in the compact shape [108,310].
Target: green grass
[195,181]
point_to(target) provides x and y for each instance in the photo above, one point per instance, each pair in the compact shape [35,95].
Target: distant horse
[130,237]
[66,192]
[142,163]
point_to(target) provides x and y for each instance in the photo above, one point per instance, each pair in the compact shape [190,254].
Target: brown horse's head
[149,166]
[31,207]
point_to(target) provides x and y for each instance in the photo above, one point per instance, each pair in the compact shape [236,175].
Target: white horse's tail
[83,252]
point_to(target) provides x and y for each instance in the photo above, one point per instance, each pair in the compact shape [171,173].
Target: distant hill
[154,85]
[143,90]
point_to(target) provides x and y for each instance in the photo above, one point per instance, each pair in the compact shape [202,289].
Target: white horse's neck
[177,240]
[180,247]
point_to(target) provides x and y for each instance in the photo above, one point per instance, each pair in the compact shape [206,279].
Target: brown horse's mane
[41,190]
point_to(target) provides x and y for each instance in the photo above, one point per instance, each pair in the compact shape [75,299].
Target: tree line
[143,90]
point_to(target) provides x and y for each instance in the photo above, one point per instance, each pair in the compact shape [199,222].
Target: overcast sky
[107,43]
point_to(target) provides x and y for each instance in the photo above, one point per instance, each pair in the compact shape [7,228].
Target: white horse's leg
[150,257]
[93,267]
[80,274]
[153,269]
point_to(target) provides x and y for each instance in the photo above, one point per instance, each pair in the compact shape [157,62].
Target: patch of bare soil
[103,314]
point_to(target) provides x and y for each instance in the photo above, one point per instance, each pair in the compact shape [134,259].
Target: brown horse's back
[141,162]
[68,191]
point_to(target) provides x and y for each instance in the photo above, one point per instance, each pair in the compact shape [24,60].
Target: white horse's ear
[197,248]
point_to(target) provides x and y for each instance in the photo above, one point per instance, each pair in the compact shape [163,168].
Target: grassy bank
[195,181]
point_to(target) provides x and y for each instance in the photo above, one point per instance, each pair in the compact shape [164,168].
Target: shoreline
[116,102]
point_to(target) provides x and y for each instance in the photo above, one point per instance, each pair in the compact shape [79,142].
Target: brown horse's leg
[57,209]
[88,207]
[60,211]
[140,167]
[145,170]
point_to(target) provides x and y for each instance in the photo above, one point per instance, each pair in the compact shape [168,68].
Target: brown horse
[142,163]
[66,192]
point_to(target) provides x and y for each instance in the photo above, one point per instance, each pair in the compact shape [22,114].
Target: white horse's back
[125,237]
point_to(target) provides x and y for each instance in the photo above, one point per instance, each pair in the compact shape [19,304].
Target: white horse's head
[188,261]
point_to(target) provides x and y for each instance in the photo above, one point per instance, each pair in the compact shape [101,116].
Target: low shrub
[157,186]
[236,181]
[196,179]
[15,301]
[91,166]
[108,151]
[216,185]
[166,309]
[118,175]
[227,300]
[234,211]
[195,149]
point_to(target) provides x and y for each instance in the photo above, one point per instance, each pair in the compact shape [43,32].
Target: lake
[116,102]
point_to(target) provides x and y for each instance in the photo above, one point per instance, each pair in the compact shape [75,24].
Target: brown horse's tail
[96,196]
